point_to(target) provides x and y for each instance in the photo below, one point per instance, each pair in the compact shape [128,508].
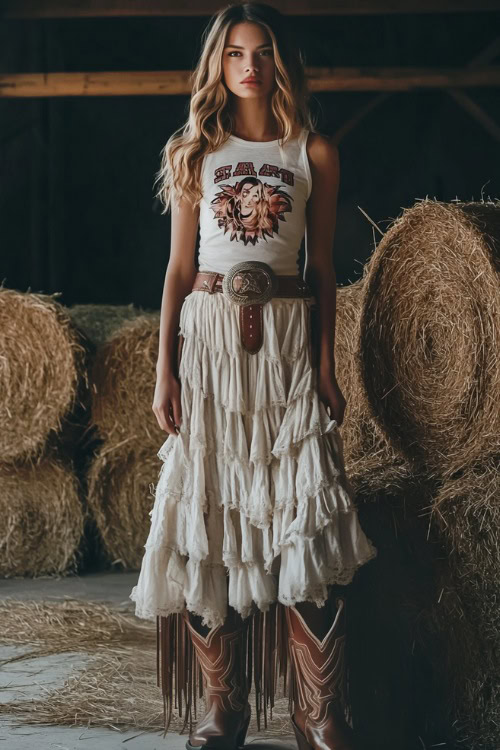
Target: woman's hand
[167,402]
[330,394]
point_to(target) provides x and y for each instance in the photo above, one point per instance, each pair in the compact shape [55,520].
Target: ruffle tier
[252,503]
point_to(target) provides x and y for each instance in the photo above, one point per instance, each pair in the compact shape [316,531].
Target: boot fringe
[267,660]
[180,677]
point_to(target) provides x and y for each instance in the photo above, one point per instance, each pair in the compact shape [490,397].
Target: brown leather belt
[250,284]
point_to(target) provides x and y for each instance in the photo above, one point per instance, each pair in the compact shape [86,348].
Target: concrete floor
[23,679]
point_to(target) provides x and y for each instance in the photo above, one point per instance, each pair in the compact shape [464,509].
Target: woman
[254,530]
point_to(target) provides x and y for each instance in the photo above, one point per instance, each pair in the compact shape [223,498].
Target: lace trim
[145,613]
[342,576]
[290,540]
[196,385]
[176,551]
[280,505]
[285,449]
[212,618]
[239,353]
[307,493]
[315,432]
[311,493]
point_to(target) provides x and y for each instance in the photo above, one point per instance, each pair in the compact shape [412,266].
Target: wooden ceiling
[94,8]
[381,82]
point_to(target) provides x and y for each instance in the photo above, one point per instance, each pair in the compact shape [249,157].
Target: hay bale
[98,323]
[42,371]
[430,334]
[465,619]
[120,496]
[42,518]
[423,643]
[467,511]
[395,693]
[123,378]
[372,462]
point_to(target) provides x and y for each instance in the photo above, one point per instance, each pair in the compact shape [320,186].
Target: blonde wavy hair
[210,121]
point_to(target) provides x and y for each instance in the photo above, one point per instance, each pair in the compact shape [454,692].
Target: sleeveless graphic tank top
[253,206]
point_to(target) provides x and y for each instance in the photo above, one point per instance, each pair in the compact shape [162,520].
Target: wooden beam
[176,82]
[477,112]
[488,54]
[357,117]
[96,8]
[399,79]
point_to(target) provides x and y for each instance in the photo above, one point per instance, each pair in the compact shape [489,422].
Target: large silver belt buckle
[249,282]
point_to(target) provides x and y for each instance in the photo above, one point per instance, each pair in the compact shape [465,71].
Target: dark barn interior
[413,108]
[89,94]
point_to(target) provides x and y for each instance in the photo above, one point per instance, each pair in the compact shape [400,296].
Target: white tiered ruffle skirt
[252,503]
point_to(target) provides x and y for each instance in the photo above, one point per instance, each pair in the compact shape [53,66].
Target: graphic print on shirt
[251,209]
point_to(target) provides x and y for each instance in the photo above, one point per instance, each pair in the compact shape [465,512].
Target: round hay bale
[425,663]
[98,323]
[123,377]
[372,462]
[467,511]
[42,369]
[42,518]
[120,497]
[466,614]
[395,682]
[430,334]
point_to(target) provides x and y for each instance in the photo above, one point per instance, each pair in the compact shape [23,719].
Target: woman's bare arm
[321,213]
[179,278]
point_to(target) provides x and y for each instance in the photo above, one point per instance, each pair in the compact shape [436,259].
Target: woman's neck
[254,121]
[259,134]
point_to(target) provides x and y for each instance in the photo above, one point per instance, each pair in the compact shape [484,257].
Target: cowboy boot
[318,665]
[221,655]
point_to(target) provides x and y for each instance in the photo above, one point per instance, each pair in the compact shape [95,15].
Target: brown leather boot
[221,654]
[318,666]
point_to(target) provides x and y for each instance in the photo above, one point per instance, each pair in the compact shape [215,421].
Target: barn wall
[77,208]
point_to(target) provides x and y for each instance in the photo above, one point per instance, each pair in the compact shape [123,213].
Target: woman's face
[249,196]
[248,52]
